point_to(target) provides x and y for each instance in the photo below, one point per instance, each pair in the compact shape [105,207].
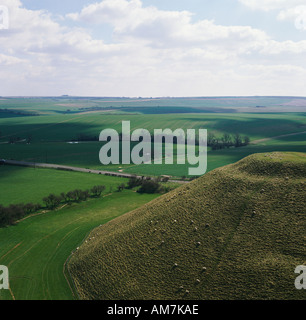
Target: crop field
[61,121]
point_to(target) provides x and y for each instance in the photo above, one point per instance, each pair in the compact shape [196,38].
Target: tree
[97,190]
[246,140]
[120,187]
[134,182]
[52,201]
[227,140]
[237,140]
[84,195]
[150,186]
[210,139]
[65,196]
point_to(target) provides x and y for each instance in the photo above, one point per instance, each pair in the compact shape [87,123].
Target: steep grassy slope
[236,233]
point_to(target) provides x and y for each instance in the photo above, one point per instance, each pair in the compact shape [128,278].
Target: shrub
[149,186]
[97,190]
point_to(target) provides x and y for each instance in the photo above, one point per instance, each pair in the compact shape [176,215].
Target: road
[69,168]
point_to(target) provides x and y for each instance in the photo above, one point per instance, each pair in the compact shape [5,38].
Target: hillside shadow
[253,126]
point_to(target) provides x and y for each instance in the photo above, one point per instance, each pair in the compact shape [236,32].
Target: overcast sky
[153,48]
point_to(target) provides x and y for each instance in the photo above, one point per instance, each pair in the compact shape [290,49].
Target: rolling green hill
[238,232]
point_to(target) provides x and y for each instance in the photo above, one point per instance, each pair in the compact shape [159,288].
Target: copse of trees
[226,141]
[134,182]
[148,185]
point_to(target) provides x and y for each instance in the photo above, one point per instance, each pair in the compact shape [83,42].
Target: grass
[24,185]
[36,249]
[250,236]
[87,155]
[50,133]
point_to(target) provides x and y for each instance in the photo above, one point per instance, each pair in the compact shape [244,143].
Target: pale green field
[24,185]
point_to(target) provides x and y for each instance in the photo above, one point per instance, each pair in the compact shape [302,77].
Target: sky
[152,48]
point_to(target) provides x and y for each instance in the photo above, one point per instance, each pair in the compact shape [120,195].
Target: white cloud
[163,28]
[268,5]
[293,10]
[6,60]
[153,52]
[295,14]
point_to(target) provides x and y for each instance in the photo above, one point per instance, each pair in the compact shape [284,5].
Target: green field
[50,135]
[36,249]
[23,185]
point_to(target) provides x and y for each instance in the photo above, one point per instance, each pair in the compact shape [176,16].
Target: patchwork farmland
[65,130]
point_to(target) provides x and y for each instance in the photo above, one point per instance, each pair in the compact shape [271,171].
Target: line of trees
[9,215]
[77,195]
[19,112]
[227,141]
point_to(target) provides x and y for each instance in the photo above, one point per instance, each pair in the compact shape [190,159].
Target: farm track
[76,169]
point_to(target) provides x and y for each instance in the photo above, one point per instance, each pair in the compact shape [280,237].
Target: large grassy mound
[236,233]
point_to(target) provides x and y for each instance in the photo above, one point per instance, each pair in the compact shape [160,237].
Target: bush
[52,201]
[121,187]
[149,186]
[134,182]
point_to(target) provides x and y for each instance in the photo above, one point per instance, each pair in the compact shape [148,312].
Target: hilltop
[237,232]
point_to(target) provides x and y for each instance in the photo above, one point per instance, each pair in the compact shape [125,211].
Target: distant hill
[238,232]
